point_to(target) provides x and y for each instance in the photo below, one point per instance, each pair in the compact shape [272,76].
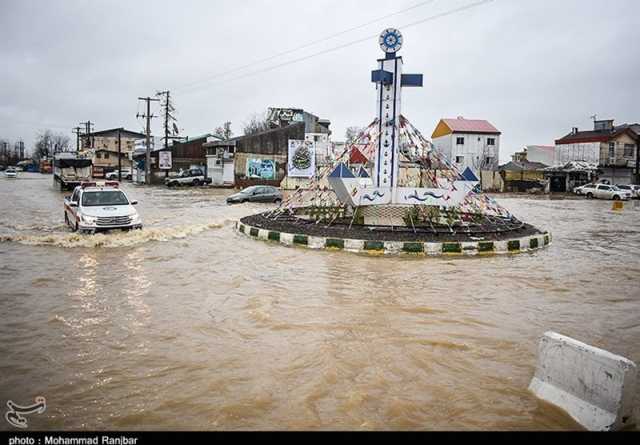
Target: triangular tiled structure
[469,175]
[341,171]
[362,173]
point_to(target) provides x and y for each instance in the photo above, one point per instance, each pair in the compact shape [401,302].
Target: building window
[106,155]
[612,150]
[491,141]
[459,159]
[629,150]
[98,155]
[460,141]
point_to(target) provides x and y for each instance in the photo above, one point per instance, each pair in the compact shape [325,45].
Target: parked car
[11,172]
[126,174]
[193,176]
[256,193]
[583,189]
[634,189]
[603,191]
[94,207]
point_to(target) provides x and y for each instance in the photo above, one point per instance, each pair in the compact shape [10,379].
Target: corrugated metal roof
[522,166]
[462,125]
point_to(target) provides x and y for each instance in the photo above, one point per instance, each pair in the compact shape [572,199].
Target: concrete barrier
[594,386]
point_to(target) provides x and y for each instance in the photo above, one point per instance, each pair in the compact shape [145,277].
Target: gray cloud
[533,68]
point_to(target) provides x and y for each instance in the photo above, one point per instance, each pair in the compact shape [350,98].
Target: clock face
[390,40]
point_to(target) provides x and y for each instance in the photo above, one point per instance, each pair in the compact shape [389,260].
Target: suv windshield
[104,198]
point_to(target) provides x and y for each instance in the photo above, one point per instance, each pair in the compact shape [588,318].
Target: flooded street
[188,325]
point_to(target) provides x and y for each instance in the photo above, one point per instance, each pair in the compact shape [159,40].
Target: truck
[193,176]
[95,207]
[70,169]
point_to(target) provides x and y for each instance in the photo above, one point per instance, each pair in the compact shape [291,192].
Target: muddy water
[187,325]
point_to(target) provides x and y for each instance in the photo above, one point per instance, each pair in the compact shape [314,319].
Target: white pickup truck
[94,207]
[193,176]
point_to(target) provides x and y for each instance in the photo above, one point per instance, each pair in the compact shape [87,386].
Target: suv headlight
[135,218]
[88,219]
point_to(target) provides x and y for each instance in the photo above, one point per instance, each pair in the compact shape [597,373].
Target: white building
[540,153]
[221,161]
[467,143]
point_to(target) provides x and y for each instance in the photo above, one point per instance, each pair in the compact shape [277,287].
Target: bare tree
[49,143]
[352,134]
[486,160]
[257,124]
[224,132]
[5,152]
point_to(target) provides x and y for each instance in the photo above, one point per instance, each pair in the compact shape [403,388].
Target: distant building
[614,149]
[104,149]
[187,154]
[536,153]
[261,158]
[564,178]
[220,161]
[468,144]
[522,176]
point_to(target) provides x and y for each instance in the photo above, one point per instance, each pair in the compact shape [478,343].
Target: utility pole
[148,116]
[169,120]
[87,131]
[119,156]
[76,131]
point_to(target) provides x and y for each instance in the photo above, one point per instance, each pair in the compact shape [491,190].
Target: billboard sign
[165,160]
[302,159]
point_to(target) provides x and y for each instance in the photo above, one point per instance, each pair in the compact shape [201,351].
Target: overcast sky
[532,68]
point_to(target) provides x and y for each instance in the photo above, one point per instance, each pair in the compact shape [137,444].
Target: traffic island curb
[523,244]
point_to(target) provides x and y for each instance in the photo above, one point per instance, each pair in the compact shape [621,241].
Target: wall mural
[302,159]
[261,169]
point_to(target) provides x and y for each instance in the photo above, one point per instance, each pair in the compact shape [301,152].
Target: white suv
[605,191]
[93,207]
[126,174]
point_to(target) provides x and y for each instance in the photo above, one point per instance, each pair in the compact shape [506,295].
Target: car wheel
[277,201]
[196,182]
[616,198]
[589,195]
[128,177]
[75,227]
[66,219]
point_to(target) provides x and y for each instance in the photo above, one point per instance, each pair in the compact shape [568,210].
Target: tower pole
[119,156]
[148,116]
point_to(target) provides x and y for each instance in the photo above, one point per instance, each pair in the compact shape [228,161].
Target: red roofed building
[614,149]
[468,143]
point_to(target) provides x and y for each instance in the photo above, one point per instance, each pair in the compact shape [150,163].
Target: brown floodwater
[188,325]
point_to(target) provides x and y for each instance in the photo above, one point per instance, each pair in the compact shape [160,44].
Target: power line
[354,42]
[306,45]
